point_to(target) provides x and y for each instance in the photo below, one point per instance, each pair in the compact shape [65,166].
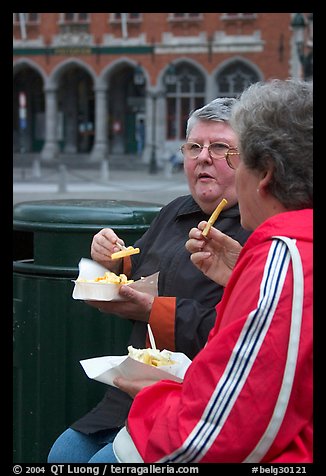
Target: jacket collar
[189,207]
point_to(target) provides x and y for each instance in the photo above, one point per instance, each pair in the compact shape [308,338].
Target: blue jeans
[75,447]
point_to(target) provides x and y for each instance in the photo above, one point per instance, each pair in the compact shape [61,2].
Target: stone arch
[22,63]
[62,67]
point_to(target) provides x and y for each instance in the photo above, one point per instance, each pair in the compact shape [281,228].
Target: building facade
[89,86]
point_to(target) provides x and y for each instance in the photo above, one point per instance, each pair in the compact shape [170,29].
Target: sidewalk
[139,185]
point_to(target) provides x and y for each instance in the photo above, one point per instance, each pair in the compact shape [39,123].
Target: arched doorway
[75,111]
[126,103]
[28,135]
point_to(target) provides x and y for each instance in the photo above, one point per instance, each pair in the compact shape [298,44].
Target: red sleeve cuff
[126,266]
[162,322]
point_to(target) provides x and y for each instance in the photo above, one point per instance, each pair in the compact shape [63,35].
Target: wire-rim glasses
[216,150]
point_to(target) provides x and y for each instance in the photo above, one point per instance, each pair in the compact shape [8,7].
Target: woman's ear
[265,180]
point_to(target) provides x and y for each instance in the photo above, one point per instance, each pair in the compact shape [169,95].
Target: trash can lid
[81,213]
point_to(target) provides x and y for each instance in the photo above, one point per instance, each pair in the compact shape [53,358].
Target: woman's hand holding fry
[215,255]
[104,244]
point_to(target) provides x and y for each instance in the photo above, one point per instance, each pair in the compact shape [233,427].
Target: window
[74,23]
[30,18]
[185,16]
[238,16]
[181,98]
[69,18]
[130,17]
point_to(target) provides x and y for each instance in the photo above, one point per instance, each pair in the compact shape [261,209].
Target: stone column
[51,147]
[70,109]
[296,67]
[100,147]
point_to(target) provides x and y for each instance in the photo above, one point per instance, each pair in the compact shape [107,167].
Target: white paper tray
[105,369]
[89,269]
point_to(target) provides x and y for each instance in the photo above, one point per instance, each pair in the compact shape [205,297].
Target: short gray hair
[274,124]
[218,110]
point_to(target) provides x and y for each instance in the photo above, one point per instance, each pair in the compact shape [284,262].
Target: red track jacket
[247,396]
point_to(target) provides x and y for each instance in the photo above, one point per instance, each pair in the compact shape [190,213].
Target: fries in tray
[153,357]
[108,278]
[106,368]
[214,216]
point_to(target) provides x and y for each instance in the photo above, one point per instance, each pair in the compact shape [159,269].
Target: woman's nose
[204,154]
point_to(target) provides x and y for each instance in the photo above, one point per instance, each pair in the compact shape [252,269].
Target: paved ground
[140,185]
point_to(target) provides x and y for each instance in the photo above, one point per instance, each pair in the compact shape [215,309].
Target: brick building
[90,86]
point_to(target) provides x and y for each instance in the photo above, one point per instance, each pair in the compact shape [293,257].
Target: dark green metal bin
[52,331]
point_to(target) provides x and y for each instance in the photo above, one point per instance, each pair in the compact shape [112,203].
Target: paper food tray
[89,269]
[105,369]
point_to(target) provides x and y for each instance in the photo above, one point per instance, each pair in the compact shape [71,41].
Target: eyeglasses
[216,150]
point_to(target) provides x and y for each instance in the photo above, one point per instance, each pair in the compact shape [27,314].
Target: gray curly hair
[274,124]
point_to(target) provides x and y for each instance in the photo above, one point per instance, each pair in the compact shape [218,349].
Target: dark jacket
[184,312]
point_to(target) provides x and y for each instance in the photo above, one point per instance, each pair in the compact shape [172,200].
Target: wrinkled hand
[138,305]
[132,387]
[214,255]
[103,245]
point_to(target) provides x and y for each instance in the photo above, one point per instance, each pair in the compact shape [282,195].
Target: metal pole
[104,170]
[153,161]
[62,185]
[36,168]
[23,127]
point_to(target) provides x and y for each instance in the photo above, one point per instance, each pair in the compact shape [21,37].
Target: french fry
[125,252]
[214,215]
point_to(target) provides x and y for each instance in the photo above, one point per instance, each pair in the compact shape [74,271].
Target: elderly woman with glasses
[206,153]
[247,396]
[183,313]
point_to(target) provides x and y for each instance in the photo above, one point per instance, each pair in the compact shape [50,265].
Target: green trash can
[52,331]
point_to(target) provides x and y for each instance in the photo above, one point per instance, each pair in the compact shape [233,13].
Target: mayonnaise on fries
[153,357]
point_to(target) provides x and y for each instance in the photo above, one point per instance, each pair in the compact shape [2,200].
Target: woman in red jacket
[247,396]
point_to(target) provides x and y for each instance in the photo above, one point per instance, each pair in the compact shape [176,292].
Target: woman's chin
[207,191]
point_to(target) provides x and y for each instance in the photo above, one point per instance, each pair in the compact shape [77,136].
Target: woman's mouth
[205,177]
